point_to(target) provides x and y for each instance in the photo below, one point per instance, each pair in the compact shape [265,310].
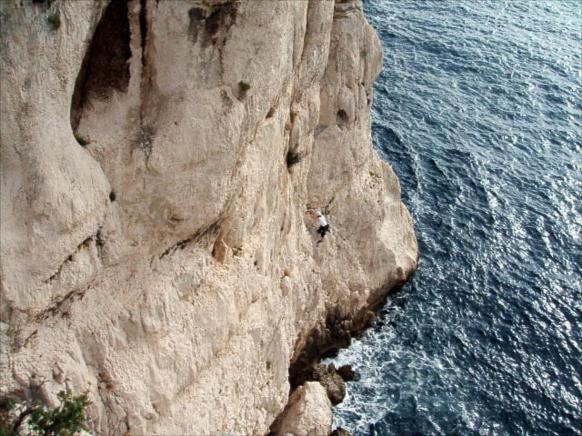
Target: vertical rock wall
[154,246]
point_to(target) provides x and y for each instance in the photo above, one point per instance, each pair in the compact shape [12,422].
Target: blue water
[479,110]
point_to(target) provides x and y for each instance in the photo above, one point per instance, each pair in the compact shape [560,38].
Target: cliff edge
[158,158]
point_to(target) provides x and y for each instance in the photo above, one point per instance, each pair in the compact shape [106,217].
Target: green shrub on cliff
[54,21]
[66,419]
[244,86]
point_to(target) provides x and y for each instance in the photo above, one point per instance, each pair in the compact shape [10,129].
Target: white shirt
[322,221]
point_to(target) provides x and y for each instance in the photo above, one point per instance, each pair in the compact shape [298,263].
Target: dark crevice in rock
[59,270]
[212,228]
[62,306]
[149,97]
[145,64]
[293,157]
[98,243]
[196,16]
[105,67]
[29,338]
[143,29]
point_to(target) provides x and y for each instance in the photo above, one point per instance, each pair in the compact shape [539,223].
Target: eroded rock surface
[307,414]
[155,250]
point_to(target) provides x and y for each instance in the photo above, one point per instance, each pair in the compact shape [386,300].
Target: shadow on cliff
[105,67]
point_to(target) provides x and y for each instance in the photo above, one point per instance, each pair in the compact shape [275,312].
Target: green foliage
[65,420]
[6,405]
[244,86]
[54,21]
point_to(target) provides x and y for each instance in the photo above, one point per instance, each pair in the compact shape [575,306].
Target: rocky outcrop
[307,414]
[158,158]
[333,383]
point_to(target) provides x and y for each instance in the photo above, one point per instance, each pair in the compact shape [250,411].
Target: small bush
[244,86]
[293,157]
[54,21]
[66,419]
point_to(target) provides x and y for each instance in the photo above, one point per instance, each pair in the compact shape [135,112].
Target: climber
[323,225]
[321,220]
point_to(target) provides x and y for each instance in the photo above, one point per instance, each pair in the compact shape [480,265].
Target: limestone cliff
[154,246]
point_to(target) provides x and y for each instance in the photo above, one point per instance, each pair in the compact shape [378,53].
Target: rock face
[158,158]
[307,414]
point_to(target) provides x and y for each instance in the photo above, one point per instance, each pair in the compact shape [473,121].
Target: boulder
[308,412]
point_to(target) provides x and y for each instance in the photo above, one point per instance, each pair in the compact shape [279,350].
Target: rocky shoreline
[325,342]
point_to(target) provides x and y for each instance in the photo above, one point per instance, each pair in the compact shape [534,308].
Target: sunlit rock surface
[155,250]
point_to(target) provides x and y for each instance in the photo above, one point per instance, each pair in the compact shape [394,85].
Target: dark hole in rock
[271,113]
[342,117]
[112,196]
[105,67]
[293,157]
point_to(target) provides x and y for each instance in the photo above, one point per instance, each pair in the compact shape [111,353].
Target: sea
[479,111]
